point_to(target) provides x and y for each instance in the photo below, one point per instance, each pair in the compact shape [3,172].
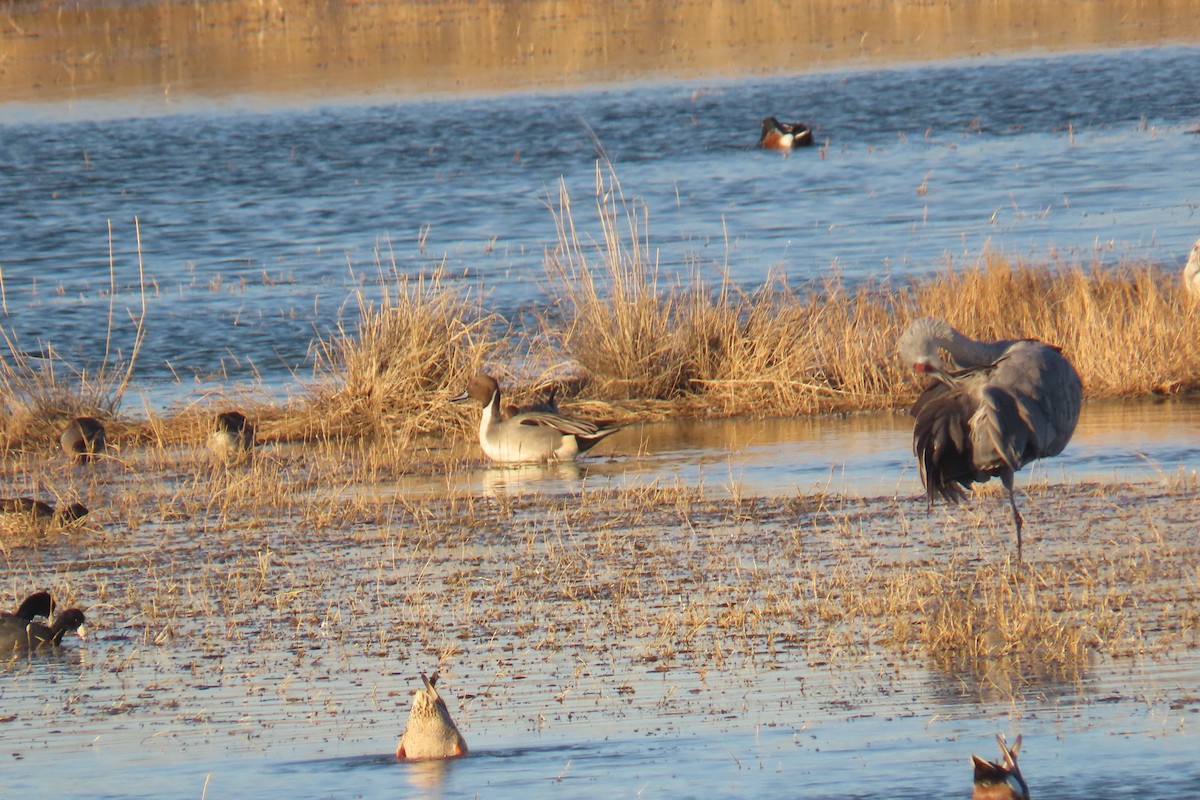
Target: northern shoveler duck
[16,634]
[83,440]
[778,135]
[430,733]
[530,435]
[1000,781]
[233,434]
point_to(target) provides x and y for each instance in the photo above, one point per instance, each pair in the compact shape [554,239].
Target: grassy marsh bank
[629,342]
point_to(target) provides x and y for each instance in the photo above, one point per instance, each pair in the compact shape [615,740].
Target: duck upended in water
[17,634]
[84,439]
[430,733]
[1000,781]
[233,434]
[999,406]
[530,435]
[778,135]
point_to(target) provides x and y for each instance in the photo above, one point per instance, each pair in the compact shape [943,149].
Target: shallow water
[257,228]
[299,686]
[867,455]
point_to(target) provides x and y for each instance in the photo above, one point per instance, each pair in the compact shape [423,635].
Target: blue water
[259,223]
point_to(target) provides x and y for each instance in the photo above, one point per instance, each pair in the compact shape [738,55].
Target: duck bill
[459,398]
[81,632]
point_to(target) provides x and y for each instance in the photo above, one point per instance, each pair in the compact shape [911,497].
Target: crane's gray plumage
[991,409]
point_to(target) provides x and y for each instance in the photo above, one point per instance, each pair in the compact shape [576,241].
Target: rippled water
[257,226]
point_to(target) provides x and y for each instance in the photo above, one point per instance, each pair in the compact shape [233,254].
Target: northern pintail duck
[83,439]
[1191,272]
[16,634]
[40,512]
[233,434]
[531,435]
[38,604]
[430,733]
[1000,781]
[778,135]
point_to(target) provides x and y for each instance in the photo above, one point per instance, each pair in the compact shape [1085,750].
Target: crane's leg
[1006,478]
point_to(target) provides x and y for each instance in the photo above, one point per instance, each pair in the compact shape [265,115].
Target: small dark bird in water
[233,434]
[1000,781]
[83,440]
[40,512]
[38,604]
[430,733]
[778,135]
[16,634]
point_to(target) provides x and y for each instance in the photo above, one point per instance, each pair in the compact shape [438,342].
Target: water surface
[258,228]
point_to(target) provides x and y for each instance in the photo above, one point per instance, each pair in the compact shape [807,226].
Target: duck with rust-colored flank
[530,435]
[778,135]
[83,440]
[17,634]
[430,733]
[1000,781]
[233,434]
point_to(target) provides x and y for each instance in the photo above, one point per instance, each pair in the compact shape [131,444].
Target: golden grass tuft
[776,351]
[40,391]
[394,374]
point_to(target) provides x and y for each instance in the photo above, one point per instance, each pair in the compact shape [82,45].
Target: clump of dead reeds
[639,334]
[622,316]
[393,372]
[40,390]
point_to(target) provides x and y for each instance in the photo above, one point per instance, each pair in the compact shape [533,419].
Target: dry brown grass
[395,371]
[635,334]
[40,391]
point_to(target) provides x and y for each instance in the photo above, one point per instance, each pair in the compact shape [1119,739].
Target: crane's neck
[966,352]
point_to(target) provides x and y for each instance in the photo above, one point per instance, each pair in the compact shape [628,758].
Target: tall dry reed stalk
[39,391]
[640,334]
[621,317]
[395,370]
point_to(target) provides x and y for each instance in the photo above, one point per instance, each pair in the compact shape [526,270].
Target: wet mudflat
[257,629]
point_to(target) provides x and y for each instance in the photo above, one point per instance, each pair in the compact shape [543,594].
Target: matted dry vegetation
[657,578]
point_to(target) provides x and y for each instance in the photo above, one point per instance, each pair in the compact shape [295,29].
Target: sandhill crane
[997,407]
[1191,272]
